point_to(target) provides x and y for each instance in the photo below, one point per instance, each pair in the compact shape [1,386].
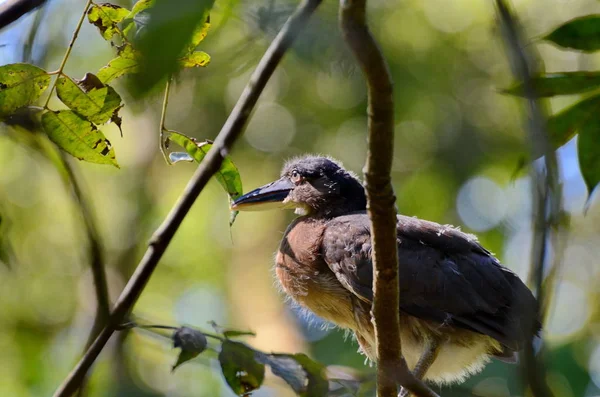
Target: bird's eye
[295,176]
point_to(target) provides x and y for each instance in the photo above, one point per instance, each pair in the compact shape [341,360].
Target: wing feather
[445,276]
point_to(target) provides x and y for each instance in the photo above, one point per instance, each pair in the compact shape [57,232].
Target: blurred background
[458,145]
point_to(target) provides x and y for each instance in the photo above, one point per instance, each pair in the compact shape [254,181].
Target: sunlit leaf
[566,83]
[588,151]
[21,85]
[191,342]
[240,368]
[228,175]
[195,59]
[199,33]
[105,17]
[579,34]
[305,376]
[127,62]
[167,38]
[563,126]
[140,6]
[98,104]
[78,137]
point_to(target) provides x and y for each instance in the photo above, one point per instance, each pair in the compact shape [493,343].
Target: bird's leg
[432,348]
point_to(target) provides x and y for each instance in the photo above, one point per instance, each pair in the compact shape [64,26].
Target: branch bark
[391,367]
[546,190]
[11,10]
[231,131]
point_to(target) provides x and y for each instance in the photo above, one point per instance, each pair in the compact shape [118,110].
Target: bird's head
[312,185]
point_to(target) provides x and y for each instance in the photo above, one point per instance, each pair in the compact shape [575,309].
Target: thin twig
[163,116]
[69,48]
[231,131]
[96,255]
[11,10]
[546,190]
[391,367]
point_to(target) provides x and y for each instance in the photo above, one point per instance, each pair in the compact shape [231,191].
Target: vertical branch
[231,131]
[546,193]
[391,366]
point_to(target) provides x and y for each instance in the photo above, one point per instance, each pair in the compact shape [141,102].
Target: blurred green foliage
[458,143]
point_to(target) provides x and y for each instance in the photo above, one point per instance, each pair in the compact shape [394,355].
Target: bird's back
[446,277]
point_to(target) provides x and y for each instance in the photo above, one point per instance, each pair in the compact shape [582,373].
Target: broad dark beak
[265,197]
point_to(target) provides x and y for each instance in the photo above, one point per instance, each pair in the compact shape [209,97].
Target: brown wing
[445,276]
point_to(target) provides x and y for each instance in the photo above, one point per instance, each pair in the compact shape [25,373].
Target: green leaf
[240,368]
[106,17]
[579,34]
[21,85]
[231,333]
[566,83]
[563,126]
[588,151]
[191,342]
[127,62]
[195,59]
[98,103]
[140,6]
[305,376]
[128,22]
[199,33]
[167,37]
[78,137]
[228,175]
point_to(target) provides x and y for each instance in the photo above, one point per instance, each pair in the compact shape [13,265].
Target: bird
[459,306]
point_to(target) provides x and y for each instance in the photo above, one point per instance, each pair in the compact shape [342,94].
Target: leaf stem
[68,52]
[163,116]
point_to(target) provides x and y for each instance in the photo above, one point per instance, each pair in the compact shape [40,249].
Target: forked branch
[546,190]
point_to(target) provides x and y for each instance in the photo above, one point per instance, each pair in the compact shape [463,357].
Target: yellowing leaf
[126,62]
[78,137]
[195,59]
[97,105]
[140,6]
[106,17]
[21,84]
[199,33]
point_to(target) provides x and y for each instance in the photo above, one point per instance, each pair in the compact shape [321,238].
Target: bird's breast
[306,278]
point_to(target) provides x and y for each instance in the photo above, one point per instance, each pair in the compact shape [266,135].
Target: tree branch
[391,367]
[231,131]
[546,193]
[11,10]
